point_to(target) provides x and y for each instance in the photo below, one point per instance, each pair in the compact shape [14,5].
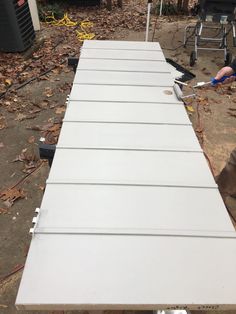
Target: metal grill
[16,28]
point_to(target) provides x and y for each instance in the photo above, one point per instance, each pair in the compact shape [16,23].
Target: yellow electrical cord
[84,35]
[66,21]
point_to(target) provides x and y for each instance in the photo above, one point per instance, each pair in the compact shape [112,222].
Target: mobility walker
[215,17]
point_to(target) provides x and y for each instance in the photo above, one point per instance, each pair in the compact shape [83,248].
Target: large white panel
[68,207]
[128,136]
[126,112]
[128,272]
[131,217]
[122,54]
[123,78]
[121,45]
[123,65]
[123,93]
[130,167]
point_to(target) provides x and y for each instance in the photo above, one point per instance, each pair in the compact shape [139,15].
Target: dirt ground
[213,117]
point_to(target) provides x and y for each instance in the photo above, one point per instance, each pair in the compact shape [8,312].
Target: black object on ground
[187,75]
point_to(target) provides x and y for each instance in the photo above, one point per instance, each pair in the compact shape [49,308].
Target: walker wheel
[193,58]
[228,58]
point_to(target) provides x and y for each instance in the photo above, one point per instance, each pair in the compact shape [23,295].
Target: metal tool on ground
[213,81]
[179,93]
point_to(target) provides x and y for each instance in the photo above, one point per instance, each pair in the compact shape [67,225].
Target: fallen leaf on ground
[46,127]
[1,145]
[8,82]
[54,128]
[20,117]
[48,92]
[29,158]
[21,157]
[3,123]
[60,110]
[31,116]
[3,306]
[34,128]
[202,101]
[53,105]
[42,187]
[190,108]
[11,195]
[35,111]
[3,211]
[44,104]
[31,139]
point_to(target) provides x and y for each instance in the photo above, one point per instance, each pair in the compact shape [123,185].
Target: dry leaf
[3,306]
[31,139]
[34,111]
[203,101]
[8,82]
[60,110]
[42,187]
[190,108]
[3,123]
[11,195]
[3,211]
[55,127]
[34,128]
[20,117]
[31,116]
[48,92]
[44,104]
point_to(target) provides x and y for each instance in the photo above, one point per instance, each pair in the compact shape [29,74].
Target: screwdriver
[213,81]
